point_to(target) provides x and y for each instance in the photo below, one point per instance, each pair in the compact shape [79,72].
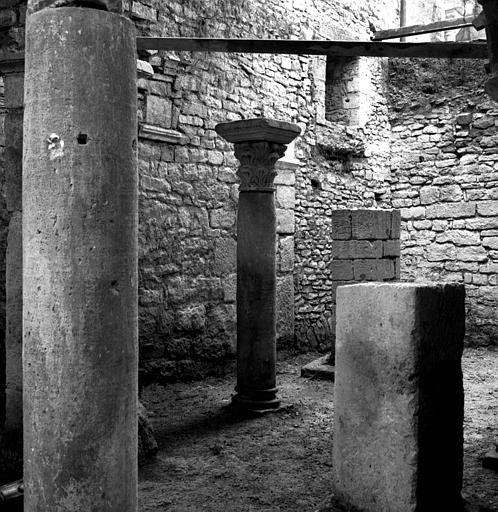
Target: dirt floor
[213,460]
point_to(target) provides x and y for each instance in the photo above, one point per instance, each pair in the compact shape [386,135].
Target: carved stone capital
[259,143]
[257,164]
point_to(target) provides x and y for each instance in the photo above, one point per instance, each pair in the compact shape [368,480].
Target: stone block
[286,197]
[285,310]
[429,195]
[395,224]
[285,222]
[222,218]
[14,90]
[417,212]
[229,284]
[341,224]
[453,210]
[373,270]
[356,249]
[341,270]
[286,254]
[285,177]
[371,224]
[391,249]
[158,111]
[487,208]
[398,417]
[225,256]
[490,242]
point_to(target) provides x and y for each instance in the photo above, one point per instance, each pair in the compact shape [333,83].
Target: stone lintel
[258,129]
[152,132]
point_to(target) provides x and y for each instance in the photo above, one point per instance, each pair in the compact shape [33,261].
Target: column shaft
[13,264]
[259,143]
[80,262]
[256,292]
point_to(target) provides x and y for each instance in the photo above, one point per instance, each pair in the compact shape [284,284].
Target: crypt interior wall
[343,159]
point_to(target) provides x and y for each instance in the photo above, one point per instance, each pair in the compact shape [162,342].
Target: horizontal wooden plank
[415,30]
[315,47]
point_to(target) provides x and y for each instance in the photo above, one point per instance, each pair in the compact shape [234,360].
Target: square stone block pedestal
[398,425]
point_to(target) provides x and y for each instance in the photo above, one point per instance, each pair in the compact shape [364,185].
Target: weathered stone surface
[374,270]
[108,5]
[374,224]
[147,444]
[398,418]
[286,223]
[80,304]
[352,249]
[453,211]
[13,335]
[341,224]
[159,111]
[342,270]
[225,256]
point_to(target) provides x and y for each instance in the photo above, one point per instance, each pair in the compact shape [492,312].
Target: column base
[256,400]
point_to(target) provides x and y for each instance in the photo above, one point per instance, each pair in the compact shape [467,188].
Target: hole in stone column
[82,138]
[92,4]
[315,184]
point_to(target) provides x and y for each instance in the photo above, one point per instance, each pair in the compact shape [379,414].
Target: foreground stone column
[490,8]
[80,262]
[398,424]
[14,100]
[259,143]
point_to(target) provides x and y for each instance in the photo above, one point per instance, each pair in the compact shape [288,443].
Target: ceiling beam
[415,30]
[316,47]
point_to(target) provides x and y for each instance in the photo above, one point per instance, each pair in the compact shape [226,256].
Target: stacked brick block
[365,247]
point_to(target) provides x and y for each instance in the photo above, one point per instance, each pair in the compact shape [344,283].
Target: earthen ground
[211,459]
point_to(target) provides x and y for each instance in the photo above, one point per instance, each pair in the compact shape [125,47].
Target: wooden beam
[333,48]
[415,30]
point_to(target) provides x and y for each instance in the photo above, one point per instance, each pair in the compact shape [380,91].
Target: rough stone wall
[348,166]
[188,186]
[365,247]
[445,180]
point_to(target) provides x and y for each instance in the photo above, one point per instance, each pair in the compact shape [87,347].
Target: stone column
[14,100]
[490,8]
[259,143]
[80,262]
[398,397]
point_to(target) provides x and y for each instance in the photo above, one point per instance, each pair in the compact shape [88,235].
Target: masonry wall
[445,180]
[365,247]
[188,186]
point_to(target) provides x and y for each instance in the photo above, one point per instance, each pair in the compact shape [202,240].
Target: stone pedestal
[398,418]
[259,143]
[80,262]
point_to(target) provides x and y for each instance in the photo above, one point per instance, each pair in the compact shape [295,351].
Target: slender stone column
[80,262]
[398,398]
[259,143]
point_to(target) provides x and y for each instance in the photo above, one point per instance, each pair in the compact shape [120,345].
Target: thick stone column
[14,100]
[259,143]
[80,262]
[398,400]
[490,8]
